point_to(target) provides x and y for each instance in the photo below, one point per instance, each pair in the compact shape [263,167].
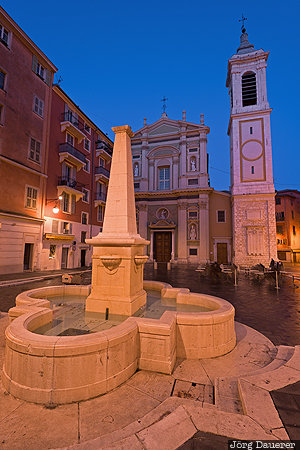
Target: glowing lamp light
[55,209]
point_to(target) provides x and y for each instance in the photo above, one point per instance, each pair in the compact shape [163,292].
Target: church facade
[185,219]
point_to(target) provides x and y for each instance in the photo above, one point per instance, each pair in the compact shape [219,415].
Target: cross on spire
[164,107]
[243,25]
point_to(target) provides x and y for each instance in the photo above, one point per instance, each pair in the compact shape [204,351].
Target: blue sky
[118,59]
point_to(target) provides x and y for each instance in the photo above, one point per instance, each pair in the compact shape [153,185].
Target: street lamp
[55,207]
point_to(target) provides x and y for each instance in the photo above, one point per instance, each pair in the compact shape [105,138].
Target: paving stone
[208,394]
[113,411]
[191,370]
[131,442]
[35,427]
[181,389]
[291,388]
[156,385]
[258,404]
[170,432]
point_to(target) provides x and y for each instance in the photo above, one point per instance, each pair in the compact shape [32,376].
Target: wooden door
[162,246]
[222,253]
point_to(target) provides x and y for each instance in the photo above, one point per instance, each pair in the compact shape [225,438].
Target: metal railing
[69,116]
[100,196]
[70,182]
[102,171]
[68,148]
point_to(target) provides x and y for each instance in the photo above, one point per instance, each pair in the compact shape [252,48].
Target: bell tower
[252,187]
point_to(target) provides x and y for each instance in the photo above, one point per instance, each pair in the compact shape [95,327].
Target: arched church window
[249,95]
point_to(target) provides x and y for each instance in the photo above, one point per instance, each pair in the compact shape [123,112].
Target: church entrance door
[222,253]
[162,246]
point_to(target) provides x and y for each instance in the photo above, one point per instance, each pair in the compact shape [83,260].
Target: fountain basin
[65,369]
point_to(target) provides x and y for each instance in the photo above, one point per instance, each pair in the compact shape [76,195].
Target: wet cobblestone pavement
[275,313]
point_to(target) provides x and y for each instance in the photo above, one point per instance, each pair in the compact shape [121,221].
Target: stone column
[182,233]
[143,218]
[204,228]
[173,246]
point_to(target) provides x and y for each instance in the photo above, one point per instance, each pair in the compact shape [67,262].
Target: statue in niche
[193,163]
[193,234]
[136,170]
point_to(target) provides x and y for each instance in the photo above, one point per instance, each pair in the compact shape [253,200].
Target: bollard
[235,278]
[276,278]
[106,313]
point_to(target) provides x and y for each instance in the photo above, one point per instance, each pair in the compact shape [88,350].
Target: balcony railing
[70,182]
[68,148]
[100,196]
[102,171]
[101,145]
[69,116]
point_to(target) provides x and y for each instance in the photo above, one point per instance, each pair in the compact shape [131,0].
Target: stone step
[284,354]
[227,396]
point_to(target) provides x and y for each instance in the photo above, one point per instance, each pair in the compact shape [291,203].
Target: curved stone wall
[64,369]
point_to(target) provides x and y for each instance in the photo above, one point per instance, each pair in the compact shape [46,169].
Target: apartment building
[78,174]
[26,76]
[288,225]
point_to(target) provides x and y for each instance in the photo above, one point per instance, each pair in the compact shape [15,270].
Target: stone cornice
[123,129]
[259,112]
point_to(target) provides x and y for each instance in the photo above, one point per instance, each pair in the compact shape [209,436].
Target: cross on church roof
[243,25]
[164,107]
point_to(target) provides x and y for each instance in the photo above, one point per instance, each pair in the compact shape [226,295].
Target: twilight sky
[118,59]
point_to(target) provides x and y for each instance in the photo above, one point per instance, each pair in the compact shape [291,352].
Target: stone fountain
[57,369]
[118,254]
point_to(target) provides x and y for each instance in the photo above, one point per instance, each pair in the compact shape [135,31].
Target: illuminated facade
[26,76]
[288,225]
[78,175]
[185,219]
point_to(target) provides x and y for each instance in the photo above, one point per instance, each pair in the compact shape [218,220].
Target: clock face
[252,150]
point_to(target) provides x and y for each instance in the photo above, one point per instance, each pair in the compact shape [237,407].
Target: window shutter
[73,202]
[47,77]
[70,227]
[35,64]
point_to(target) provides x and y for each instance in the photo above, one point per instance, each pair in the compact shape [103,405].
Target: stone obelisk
[118,252]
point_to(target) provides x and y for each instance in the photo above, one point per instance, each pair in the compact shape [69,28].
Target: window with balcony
[31,197]
[277,200]
[4,36]
[101,162]
[2,79]
[38,106]
[84,218]
[86,195]
[280,215]
[35,150]
[41,71]
[279,229]
[164,178]
[83,237]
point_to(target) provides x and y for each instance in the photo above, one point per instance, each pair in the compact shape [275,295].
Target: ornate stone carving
[111,262]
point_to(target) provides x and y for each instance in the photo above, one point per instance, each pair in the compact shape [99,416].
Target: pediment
[164,129]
